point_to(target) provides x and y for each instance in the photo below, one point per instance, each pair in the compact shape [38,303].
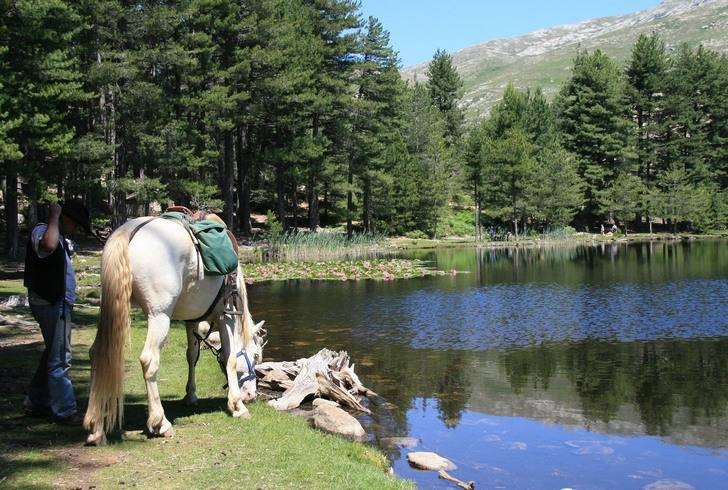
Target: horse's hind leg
[193,354]
[157,330]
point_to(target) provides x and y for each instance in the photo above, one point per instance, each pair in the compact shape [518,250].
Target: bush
[560,233]
[416,234]
[459,223]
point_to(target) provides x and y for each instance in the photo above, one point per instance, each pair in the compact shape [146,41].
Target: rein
[231,291]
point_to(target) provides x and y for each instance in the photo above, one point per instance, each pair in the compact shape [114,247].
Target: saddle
[212,238]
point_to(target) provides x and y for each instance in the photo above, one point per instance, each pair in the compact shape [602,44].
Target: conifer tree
[40,80]
[375,121]
[646,87]
[334,23]
[421,187]
[445,85]
[593,120]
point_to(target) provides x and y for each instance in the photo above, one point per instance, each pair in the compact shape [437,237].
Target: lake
[580,367]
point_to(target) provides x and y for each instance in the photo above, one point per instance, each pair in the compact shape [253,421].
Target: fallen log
[326,374]
[466,486]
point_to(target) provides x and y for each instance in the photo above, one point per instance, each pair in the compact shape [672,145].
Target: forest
[296,108]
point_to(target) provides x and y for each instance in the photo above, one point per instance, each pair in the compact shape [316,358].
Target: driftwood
[327,374]
[445,476]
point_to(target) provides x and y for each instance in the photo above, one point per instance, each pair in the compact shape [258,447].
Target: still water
[584,367]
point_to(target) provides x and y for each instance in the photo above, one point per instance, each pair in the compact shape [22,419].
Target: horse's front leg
[235,397]
[157,330]
[193,354]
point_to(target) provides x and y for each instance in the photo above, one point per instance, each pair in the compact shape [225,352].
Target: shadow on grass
[31,446]
[135,413]
[24,440]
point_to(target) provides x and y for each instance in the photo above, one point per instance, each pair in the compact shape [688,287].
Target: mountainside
[543,58]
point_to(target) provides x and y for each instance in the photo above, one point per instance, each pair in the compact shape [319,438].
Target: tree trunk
[478,224]
[350,202]
[367,206]
[228,179]
[243,160]
[294,203]
[117,199]
[11,215]
[280,192]
[313,205]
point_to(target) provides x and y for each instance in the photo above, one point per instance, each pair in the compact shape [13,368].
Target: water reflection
[616,339]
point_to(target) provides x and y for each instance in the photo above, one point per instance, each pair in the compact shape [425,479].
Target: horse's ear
[258,327]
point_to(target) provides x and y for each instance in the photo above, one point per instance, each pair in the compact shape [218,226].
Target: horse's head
[250,354]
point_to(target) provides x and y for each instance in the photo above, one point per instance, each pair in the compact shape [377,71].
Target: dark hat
[76,210]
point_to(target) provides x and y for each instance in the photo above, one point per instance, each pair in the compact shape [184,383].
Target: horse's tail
[106,397]
[248,326]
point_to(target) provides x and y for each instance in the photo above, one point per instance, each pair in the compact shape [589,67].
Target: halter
[218,355]
[230,290]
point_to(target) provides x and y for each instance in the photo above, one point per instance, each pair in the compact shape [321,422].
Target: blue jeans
[51,385]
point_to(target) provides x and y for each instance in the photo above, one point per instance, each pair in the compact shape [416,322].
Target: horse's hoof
[243,413]
[190,400]
[168,433]
[96,439]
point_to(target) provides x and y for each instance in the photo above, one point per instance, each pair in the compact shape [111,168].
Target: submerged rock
[425,460]
[668,485]
[404,442]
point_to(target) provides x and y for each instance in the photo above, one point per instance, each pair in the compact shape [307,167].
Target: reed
[305,246]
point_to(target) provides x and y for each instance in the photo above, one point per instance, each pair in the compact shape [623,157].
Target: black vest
[46,277]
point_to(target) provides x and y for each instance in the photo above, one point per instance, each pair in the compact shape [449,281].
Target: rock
[404,442]
[425,460]
[334,420]
[668,485]
[318,402]
[14,301]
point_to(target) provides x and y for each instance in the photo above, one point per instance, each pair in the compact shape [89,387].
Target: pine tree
[445,85]
[421,187]
[334,23]
[594,124]
[40,80]
[646,87]
[474,162]
[375,121]
[697,122]
[554,190]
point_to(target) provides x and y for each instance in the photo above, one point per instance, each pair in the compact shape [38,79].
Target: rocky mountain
[544,58]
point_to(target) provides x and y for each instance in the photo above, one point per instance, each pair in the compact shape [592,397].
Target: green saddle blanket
[216,249]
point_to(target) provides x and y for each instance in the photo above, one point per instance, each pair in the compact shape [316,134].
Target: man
[51,283]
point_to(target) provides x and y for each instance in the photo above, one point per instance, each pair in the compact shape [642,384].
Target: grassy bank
[210,448]
[402,243]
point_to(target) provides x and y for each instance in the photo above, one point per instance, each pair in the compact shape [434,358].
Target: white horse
[154,263]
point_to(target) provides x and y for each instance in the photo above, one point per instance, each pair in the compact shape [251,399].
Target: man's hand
[52,235]
[54,211]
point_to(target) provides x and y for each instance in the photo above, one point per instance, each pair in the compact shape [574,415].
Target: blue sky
[419,27]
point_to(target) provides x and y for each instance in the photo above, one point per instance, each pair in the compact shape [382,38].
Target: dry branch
[467,486]
[327,374]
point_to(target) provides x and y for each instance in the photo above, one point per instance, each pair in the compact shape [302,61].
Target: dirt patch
[21,345]
[82,465]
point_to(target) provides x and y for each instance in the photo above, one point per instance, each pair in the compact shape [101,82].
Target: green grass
[210,449]
[213,450]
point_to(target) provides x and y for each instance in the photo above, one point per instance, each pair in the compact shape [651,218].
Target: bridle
[230,291]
